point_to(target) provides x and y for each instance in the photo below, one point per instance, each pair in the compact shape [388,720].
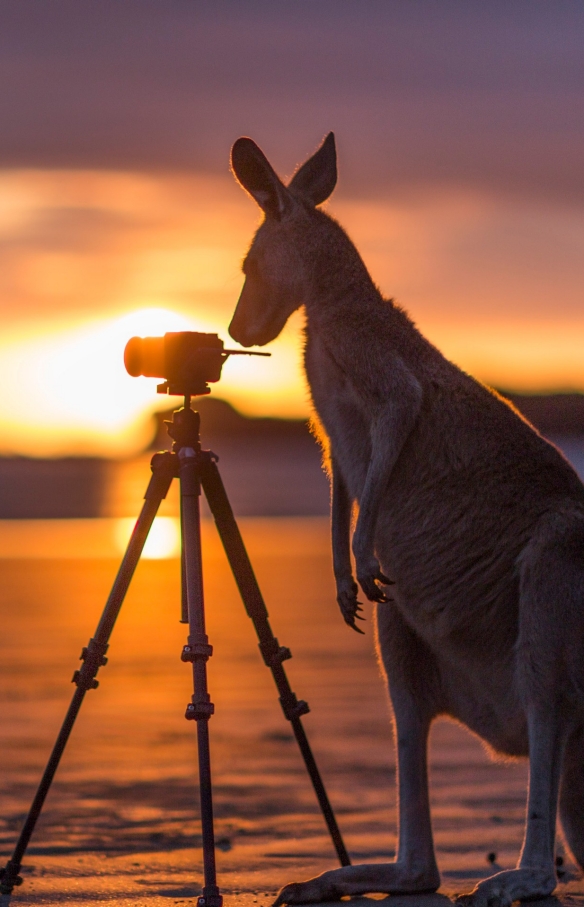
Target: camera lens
[145,356]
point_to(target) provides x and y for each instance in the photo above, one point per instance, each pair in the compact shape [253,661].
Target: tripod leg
[93,656]
[197,651]
[272,653]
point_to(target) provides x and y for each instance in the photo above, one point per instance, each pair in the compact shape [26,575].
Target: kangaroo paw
[350,607]
[370,583]
[371,578]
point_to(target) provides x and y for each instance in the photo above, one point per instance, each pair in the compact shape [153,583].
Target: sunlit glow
[68,390]
[89,258]
[163,539]
[512,355]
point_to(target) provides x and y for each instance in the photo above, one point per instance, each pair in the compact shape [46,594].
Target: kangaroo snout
[243,327]
[238,333]
[259,315]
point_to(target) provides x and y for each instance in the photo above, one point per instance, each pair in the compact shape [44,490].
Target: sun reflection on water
[163,539]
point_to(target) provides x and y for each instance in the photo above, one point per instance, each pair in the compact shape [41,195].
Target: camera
[187,360]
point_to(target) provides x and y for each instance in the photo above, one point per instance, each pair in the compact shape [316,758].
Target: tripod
[195,468]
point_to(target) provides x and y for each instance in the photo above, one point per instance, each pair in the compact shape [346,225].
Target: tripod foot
[9,878]
[210,900]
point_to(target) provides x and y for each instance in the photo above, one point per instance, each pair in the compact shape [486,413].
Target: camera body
[188,360]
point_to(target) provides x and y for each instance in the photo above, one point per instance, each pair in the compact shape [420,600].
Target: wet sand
[121,821]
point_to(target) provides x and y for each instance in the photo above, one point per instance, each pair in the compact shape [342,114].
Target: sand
[121,823]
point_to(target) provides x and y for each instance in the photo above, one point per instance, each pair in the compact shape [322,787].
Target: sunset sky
[460,134]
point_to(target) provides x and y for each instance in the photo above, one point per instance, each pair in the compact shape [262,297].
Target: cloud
[78,243]
[489,96]
[85,245]
[460,129]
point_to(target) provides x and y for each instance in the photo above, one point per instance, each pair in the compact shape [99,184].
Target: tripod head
[187,360]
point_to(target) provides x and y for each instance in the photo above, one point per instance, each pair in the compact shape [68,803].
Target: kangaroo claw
[353,625]
[309,892]
[371,582]
[371,589]
[350,607]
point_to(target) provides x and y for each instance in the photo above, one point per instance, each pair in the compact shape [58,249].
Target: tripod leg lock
[293,707]
[93,657]
[197,710]
[273,653]
[9,877]
[196,651]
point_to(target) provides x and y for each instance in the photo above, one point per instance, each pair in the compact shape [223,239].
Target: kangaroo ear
[317,178]
[255,173]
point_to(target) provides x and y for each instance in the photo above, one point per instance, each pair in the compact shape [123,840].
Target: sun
[67,391]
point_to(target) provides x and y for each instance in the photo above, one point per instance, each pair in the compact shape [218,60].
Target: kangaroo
[477,519]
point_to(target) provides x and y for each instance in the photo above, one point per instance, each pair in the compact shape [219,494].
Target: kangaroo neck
[334,281]
[338,281]
[341,295]
[346,312]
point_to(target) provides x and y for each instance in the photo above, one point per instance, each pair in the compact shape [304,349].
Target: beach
[121,822]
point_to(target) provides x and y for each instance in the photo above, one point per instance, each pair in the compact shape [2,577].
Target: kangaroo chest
[341,414]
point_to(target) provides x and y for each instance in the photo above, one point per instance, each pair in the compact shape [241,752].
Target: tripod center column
[197,651]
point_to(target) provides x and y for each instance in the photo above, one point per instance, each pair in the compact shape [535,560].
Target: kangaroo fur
[477,519]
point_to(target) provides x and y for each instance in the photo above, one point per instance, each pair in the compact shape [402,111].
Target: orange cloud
[495,282]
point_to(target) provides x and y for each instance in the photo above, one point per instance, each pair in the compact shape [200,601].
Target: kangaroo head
[276,266]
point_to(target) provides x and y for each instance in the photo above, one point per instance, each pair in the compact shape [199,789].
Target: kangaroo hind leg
[413,687]
[572,795]
[572,780]
[550,605]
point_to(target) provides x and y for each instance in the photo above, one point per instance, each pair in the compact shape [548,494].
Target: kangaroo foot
[387,878]
[511,885]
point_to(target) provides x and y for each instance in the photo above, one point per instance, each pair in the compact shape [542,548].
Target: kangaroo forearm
[341,506]
[341,538]
[394,416]
[388,439]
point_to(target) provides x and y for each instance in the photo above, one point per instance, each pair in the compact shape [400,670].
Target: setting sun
[91,258]
[68,391]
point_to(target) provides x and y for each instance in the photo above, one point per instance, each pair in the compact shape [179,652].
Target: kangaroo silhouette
[477,519]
